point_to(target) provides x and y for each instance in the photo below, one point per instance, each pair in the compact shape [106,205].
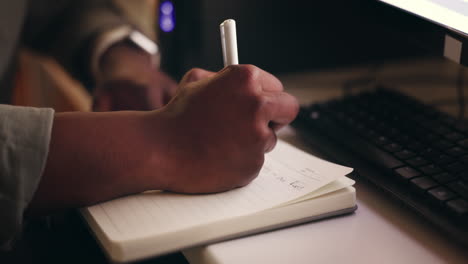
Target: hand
[211,137]
[219,126]
[129,81]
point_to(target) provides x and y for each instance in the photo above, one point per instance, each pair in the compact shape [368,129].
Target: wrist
[124,61]
[125,57]
[157,133]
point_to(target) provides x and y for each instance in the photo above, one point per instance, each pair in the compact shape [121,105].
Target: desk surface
[381,230]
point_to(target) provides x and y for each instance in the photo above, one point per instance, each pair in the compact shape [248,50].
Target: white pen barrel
[229,42]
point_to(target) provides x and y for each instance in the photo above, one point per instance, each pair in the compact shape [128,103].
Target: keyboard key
[430,153]
[462,127]
[406,173]
[371,134]
[428,124]
[417,161]
[456,151]
[460,187]
[419,118]
[454,136]
[393,147]
[430,169]
[314,115]
[417,132]
[403,139]
[441,194]
[463,143]
[443,144]
[463,175]
[431,137]
[464,159]
[395,133]
[404,154]
[381,141]
[360,129]
[444,177]
[455,167]
[416,146]
[459,206]
[382,127]
[443,159]
[429,111]
[448,119]
[442,130]
[424,183]
[350,121]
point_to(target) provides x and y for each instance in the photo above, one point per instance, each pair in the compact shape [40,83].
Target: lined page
[287,174]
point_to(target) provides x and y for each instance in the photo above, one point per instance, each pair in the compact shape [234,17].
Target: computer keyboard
[415,153]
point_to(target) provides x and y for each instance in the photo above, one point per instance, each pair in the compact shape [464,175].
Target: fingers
[270,83]
[277,108]
[271,141]
[194,75]
[280,109]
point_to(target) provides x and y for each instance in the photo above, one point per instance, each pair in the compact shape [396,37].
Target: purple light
[167,24]
[166,16]
[167,8]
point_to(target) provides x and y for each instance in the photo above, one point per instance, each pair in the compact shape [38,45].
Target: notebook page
[287,174]
[336,185]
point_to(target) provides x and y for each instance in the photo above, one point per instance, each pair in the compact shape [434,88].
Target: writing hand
[220,125]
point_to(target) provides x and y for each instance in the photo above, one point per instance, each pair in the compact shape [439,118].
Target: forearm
[95,157]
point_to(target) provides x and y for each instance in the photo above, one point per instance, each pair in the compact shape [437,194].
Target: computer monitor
[296,35]
[451,18]
[451,14]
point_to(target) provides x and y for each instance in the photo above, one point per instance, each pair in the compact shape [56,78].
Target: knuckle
[258,102]
[194,74]
[279,84]
[248,74]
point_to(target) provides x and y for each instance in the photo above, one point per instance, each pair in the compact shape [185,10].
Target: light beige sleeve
[24,144]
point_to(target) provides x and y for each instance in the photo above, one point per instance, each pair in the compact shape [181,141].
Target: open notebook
[292,187]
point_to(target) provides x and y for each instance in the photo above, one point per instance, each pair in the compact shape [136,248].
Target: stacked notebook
[292,187]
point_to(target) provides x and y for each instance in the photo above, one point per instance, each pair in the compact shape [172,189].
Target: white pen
[229,42]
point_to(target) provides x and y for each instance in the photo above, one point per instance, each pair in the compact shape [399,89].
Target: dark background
[295,35]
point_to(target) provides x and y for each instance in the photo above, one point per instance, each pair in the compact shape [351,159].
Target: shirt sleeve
[24,144]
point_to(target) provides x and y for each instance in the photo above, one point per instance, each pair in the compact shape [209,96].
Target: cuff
[105,41]
[111,37]
[24,145]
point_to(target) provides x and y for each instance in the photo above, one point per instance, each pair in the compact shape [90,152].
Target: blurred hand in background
[129,80]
